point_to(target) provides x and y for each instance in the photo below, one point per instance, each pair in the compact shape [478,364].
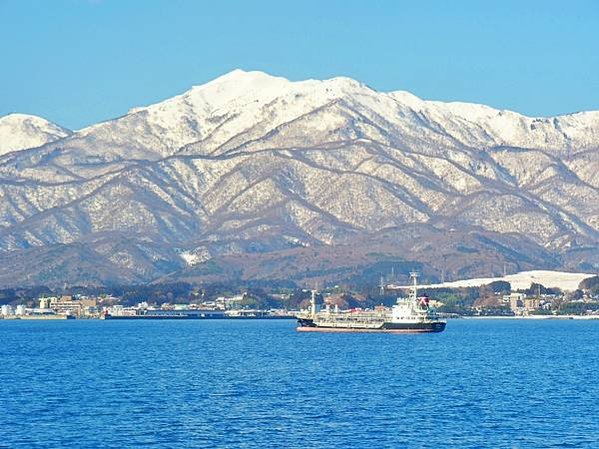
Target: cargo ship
[408,315]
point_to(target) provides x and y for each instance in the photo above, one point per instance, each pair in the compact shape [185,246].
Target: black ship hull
[308,325]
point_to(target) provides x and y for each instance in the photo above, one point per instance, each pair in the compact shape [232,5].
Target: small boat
[408,315]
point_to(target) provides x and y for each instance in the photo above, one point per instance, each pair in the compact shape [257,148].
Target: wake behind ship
[408,315]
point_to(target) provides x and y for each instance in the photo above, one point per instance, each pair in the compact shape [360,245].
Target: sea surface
[261,384]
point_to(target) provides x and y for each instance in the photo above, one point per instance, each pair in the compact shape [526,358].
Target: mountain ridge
[250,163]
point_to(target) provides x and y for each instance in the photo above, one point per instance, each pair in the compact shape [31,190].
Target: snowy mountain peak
[16,118]
[242,76]
[407,98]
[346,83]
[237,84]
[21,131]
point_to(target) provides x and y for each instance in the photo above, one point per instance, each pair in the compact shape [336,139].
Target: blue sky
[77,62]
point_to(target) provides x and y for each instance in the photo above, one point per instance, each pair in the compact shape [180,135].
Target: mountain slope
[255,164]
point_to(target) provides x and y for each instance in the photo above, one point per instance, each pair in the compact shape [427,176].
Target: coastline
[535,317]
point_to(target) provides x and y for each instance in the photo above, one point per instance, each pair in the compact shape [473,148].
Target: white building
[6,310]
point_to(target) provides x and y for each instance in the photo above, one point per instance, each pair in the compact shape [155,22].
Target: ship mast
[414,289]
[313,304]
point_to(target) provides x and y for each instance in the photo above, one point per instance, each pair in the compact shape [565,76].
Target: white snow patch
[198,255]
[556,279]
[190,258]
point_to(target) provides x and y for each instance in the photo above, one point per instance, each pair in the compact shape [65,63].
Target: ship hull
[307,325]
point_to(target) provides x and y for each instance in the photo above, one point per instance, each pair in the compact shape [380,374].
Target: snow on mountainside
[520,281]
[21,131]
[251,163]
[239,101]
[507,128]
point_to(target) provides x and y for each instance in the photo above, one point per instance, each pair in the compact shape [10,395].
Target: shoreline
[535,317]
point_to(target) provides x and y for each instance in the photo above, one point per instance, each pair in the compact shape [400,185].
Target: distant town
[186,301]
[106,306]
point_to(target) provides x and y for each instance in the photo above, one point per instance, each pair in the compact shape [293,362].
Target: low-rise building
[532,303]
[68,305]
[522,304]
[7,310]
[516,301]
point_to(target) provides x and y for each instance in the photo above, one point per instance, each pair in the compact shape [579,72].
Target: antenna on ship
[382,286]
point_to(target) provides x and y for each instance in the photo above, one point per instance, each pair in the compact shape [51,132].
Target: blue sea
[261,384]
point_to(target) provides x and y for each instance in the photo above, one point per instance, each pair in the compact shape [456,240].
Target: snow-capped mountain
[250,165]
[21,131]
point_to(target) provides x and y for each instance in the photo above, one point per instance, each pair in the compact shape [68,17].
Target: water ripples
[260,384]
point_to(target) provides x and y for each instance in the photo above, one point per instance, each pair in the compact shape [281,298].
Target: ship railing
[352,324]
[353,318]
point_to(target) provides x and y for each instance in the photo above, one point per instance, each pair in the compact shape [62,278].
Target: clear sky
[77,62]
